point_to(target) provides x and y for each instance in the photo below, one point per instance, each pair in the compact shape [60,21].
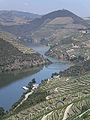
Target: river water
[11,90]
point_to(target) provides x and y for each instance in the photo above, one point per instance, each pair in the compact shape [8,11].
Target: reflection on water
[8,78]
[12,91]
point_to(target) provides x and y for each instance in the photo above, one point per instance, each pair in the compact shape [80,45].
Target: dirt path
[67,111]
[45,117]
[35,86]
[82,114]
[26,97]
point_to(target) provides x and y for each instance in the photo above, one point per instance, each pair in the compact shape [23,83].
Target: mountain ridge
[12,17]
[26,31]
[58,13]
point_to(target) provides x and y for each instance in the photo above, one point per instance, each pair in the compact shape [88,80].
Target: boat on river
[25,88]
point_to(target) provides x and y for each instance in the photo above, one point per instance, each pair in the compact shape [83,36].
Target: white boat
[25,88]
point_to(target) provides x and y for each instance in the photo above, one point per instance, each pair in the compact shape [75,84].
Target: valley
[11,84]
[66,33]
[51,51]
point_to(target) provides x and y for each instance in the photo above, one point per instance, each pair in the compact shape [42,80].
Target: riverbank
[10,77]
[19,74]
[25,66]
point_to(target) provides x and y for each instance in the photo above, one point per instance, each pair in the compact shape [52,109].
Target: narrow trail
[67,111]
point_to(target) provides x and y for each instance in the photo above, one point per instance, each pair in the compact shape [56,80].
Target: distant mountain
[50,27]
[87,19]
[16,17]
[63,13]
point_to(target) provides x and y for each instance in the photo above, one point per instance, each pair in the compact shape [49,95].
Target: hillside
[59,98]
[75,47]
[58,25]
[15,56]
[49,28]
[16,17]
[66,33]
[87,19]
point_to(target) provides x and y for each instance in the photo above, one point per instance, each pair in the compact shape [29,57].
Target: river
[11,91]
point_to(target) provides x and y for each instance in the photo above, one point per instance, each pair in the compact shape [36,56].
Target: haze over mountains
[46,26]
[16,17]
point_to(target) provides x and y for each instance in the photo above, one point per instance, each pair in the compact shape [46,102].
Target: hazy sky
[80,7]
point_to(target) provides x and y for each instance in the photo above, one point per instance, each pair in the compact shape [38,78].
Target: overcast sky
[79,7]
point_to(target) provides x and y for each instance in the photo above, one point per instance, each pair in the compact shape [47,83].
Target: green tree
[33,81]
[1,112]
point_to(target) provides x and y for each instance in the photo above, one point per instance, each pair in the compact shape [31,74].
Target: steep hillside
[75,47]
[15,56]
[49,28]
[16,17]
[59,98]
[15,42]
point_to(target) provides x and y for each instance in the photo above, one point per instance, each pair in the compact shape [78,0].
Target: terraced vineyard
[59,98]
[76,46]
